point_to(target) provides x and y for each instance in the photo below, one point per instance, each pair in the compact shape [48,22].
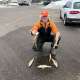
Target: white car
[70,12]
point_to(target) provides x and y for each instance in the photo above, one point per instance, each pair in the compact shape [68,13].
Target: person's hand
[55,46]
[37,33]
[34,33]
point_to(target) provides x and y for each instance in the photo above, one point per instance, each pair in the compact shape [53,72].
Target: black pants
[45,36]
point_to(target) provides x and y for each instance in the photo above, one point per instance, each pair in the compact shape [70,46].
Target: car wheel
[60,15]
[65,21]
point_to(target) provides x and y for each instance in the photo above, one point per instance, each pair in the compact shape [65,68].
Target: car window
[76,5]
[68,4]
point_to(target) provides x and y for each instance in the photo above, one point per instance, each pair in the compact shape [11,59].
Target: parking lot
[16,46]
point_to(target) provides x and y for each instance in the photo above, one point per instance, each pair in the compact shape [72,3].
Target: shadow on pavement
[75,25]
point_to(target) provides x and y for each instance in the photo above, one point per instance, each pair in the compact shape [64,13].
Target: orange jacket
[40,24]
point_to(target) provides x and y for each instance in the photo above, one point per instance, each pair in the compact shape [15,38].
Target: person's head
[44,16]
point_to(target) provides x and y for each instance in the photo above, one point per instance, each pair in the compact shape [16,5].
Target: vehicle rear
[74,13]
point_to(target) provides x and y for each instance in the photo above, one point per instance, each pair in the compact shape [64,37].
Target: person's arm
[57,35]
[56,32]
[35,28]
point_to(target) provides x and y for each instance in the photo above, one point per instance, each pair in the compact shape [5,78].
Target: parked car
[46,2]
[24,2]
[70,12]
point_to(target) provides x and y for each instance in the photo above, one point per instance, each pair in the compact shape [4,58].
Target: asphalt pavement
[16,46]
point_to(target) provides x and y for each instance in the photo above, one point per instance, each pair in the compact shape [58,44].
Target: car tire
[66,22]
[60,15]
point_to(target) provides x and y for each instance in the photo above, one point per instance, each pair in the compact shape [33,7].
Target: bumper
[73,20]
